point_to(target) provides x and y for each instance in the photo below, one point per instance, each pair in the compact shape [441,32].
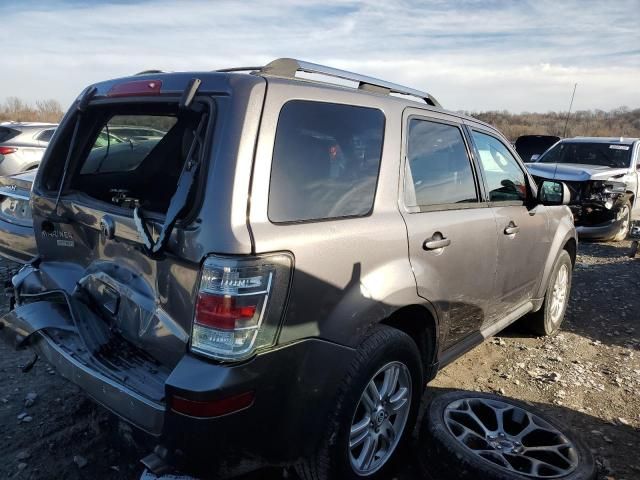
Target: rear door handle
[436,241]
[511,229]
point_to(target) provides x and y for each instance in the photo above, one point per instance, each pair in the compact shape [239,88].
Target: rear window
[132,171]
[7,134]
[326,161]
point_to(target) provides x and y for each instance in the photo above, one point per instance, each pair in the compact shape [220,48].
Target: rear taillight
[240,304]
[7,150]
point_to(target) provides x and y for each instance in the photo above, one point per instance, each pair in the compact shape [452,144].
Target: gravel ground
[587,377]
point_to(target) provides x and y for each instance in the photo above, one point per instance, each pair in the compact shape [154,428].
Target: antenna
[564,133]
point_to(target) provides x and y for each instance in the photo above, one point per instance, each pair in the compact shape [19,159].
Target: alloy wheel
[625,216]
[511,438]
[559,294]
[380,418]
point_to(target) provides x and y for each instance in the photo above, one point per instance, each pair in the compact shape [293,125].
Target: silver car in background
[22,145]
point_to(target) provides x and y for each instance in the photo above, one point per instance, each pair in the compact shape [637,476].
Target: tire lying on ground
[472,436]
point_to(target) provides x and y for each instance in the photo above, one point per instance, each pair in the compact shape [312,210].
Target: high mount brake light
[239,306]
[135,88]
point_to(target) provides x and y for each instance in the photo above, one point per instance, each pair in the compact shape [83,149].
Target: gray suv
[274,280]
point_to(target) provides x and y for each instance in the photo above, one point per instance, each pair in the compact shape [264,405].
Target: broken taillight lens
[239,305]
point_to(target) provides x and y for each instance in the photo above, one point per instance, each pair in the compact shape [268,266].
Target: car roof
[620,140]
[285,69]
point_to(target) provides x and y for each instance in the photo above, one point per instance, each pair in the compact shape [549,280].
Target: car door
[451,231]
[522,228]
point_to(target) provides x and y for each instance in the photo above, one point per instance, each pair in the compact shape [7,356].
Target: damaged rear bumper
[276,429]
[41,325]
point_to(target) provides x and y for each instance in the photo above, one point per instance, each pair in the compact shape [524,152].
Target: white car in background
[22,145]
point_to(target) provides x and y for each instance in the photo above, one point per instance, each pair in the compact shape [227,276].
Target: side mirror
[551,192]
[534,157]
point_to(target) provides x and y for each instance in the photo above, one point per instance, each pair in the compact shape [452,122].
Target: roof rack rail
[238,69]
[288,67]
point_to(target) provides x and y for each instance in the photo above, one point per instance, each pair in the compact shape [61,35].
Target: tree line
[14,109]
[621,121]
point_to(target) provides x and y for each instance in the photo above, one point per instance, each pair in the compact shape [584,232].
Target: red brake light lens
[136,88]
[222,311]
[7,150]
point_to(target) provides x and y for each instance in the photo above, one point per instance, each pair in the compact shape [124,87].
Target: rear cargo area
[110,294]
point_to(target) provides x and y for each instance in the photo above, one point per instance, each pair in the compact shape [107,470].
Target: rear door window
[45,135]
[503,175]
[326,161]
[438,167]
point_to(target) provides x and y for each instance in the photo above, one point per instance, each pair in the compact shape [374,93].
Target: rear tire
[383,427]
[548,319]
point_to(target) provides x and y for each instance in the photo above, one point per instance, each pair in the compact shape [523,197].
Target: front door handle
[436,241]
[511,229]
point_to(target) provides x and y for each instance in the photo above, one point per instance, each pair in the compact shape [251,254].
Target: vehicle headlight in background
[606,192]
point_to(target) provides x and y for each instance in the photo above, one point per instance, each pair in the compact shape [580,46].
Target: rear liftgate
[100,304]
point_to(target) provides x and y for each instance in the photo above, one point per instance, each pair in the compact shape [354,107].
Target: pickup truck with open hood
[603,177]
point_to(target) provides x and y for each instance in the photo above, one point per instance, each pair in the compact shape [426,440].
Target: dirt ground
[587,377]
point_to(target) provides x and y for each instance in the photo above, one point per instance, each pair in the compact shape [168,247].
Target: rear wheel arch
[421,325]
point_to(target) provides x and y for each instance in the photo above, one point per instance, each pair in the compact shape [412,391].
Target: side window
[438,167]
[46,135]
[325,163]
[505,179]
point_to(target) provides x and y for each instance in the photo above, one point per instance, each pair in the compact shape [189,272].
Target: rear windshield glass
[602,154]
[7,134]
[325,161]
[132,155]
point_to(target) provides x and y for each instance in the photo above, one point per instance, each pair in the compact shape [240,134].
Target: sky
[471,55]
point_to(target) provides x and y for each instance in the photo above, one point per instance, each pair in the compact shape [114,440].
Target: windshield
[602,154]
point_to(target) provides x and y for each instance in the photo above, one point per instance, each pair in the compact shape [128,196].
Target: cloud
[477,55]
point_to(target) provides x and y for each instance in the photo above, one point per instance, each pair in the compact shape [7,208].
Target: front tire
[375,412]
[625,218]
[549,318]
